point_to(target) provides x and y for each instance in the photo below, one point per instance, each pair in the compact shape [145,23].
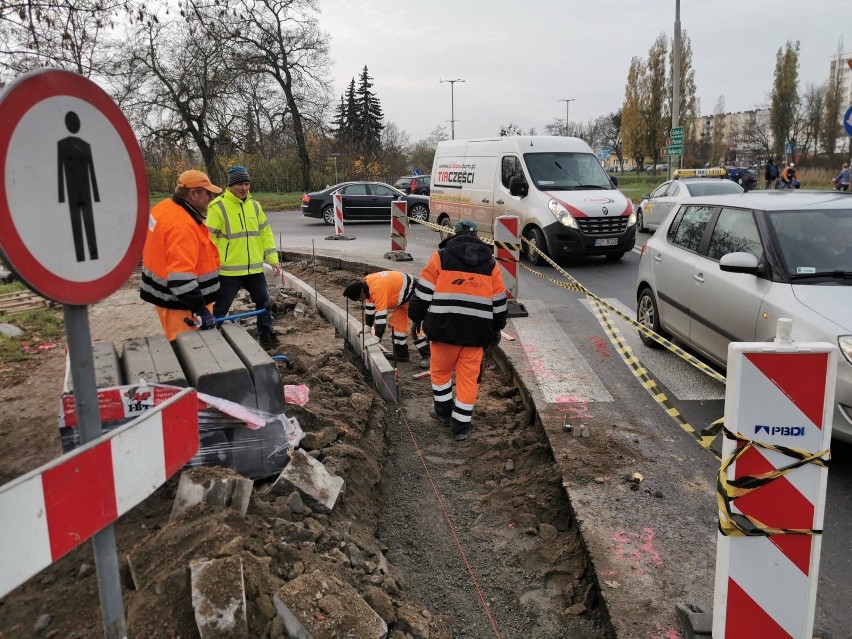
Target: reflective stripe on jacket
[242,234]
[388,290]
[460,296]
[180,263]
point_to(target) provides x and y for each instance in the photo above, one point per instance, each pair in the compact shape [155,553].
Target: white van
[567,204]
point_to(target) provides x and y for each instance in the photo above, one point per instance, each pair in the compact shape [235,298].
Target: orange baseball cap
[193,179]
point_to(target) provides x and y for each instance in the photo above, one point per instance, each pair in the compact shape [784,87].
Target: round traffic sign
[74,207]
[847,120]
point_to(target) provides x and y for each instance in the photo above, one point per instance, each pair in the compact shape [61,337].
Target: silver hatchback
[724,269]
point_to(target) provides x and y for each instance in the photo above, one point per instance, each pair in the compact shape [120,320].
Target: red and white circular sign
[74,202]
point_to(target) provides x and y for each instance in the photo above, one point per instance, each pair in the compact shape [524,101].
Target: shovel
[228,318]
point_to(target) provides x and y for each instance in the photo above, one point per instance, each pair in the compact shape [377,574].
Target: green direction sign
[675,149]
[676,138]
[676,132]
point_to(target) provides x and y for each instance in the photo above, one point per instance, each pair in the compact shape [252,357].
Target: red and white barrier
[338,213]
[779,394]
[507,246]
[53,509]
[399,225]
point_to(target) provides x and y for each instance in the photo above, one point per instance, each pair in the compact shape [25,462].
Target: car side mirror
[740,263]
[646,197]
[518,185]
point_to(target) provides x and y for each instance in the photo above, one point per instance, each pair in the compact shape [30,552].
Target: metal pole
[334,155]
[567,106]
[89,418]
[676,82]
[452,106]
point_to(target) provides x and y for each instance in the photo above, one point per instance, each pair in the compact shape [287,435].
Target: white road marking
[680,378]
[561,372]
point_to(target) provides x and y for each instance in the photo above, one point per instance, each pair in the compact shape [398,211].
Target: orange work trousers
[466,361]
[172,321]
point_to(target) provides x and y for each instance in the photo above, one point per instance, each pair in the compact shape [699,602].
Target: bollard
[507,246]
[399,226]
[338,220]
[771,493]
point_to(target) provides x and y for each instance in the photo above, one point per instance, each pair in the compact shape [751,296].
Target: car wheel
[447,224]
[419,212]
[328,215]
[536,240]
[614,257]
[640,220]
[649,317]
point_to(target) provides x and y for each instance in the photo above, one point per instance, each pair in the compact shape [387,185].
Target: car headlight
[845,344]
[562,214]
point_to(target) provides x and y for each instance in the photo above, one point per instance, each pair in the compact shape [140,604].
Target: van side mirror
[614,180]
[518,185]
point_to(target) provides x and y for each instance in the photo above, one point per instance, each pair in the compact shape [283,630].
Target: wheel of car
[419,212]
[640,220]
[447,224]
[648,316]
[614,257]
[536,240]
[328,215]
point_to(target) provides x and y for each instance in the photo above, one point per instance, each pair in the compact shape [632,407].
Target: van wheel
[614,257]
[328,215]
[536,240]
[447,224]
[649,317]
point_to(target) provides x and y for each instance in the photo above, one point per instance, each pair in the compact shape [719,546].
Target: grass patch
[269,201]
[41,326]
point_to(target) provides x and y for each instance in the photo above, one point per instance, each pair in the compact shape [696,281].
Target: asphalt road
[604,377]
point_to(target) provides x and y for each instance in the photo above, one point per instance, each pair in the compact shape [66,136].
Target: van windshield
[563,171]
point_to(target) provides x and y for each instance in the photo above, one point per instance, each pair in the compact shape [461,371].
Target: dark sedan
[369,201]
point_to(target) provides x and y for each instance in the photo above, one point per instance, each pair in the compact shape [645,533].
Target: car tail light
[642,252]
[306,198]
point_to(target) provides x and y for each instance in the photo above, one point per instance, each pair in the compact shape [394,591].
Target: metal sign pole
[89,419]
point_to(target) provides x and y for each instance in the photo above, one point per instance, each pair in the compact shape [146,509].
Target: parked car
[743,176]
[362,201]
[422,184]
[724,269]
[657,204]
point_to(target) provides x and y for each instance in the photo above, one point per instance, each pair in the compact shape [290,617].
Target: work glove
[206,318]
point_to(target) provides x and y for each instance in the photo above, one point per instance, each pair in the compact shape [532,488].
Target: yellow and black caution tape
[733,524]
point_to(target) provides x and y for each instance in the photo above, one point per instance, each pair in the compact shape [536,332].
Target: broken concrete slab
[321,606]
[319,488]
[198,486]
[219,598]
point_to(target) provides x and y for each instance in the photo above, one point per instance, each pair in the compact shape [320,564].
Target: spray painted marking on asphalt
[681,379]
[561,372]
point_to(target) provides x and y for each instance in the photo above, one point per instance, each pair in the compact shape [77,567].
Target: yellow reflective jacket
[242,234]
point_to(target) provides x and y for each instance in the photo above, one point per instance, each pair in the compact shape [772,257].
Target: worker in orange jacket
[385,295]
[460,301]
[180,263]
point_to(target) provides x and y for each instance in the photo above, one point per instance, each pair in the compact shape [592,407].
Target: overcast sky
[518,59]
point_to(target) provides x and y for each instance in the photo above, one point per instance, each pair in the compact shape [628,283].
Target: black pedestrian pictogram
[76,167]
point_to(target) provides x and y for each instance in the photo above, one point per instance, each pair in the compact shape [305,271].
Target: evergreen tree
[784,96]
[633,129]
[353,116]
[655,98]
[338,124]
[369,129]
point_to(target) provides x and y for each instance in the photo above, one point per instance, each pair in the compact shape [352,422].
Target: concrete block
[696,622]
[321,606]
[319,488]
[211,366]
[219,598]
[153,359]
[264,372]
[107,366]
[200,486]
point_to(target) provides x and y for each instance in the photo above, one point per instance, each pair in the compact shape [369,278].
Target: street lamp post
[567,106]
[452,107]
[335,156]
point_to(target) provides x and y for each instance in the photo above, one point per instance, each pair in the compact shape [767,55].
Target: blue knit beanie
[237,174]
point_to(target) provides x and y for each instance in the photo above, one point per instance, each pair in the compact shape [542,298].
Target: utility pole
[567,106]
[452,107]
[676,80]
[335,156]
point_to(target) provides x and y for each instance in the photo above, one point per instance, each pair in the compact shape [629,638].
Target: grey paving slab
[264,372]
[151,359]
[212,367]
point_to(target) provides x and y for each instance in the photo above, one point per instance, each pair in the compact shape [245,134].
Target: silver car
[658,204]
[724,269]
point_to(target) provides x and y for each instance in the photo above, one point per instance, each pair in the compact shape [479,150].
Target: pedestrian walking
[386,295]
[841,180]
[460,301]
[242,234]
[770,174]
[180,263]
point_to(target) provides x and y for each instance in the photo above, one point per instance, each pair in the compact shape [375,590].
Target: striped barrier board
[62,504]
[338,213]
[507,245]
[779,404]
[399,218]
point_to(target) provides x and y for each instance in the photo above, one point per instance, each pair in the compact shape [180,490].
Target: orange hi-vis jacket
[388,290]
[180,263]
[460,296]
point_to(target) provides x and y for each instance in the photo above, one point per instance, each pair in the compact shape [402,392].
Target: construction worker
[460,301]
[385,295]
[245,241]
[180,263]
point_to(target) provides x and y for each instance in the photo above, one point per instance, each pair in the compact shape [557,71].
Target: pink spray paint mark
[638,549]
[600,344]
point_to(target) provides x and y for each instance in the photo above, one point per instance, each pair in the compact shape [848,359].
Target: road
[575,358]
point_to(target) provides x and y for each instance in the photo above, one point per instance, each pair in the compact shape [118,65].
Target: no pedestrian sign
[74,203]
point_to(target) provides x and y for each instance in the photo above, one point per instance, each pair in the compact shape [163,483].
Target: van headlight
[562,214]
[632,219]
[845,344]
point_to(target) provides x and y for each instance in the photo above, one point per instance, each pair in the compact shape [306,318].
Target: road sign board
[676,131]
[676,139]
[847,120]
[675,149]
[80,243]
[788,148]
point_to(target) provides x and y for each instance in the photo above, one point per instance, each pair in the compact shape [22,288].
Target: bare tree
[280,39]
[810,118]
[633,129]
[609,127]
[756,135]
[422,152]
[831,121]
[689,113]
[717,136]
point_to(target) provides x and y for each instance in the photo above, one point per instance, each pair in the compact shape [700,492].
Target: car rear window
[714,187]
